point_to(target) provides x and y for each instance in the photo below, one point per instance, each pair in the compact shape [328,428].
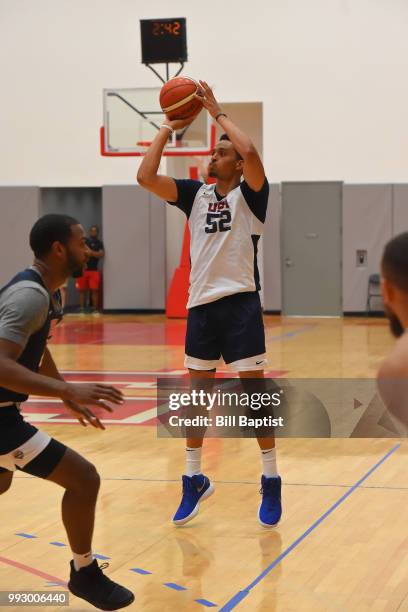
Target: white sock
[269,462]
[193,461]
[82,560]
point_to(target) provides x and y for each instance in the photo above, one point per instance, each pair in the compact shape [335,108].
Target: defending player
[29,304]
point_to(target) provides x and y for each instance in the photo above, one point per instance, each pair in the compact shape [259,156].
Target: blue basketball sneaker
[270,509]
[195,489]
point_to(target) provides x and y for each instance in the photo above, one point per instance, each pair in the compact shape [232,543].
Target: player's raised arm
[162,186]
[253,170]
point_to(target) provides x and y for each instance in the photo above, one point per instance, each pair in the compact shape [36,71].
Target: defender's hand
[92,394]
[84,415]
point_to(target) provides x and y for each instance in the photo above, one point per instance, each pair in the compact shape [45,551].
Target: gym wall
[134,233]
[334,108]
[134,239]
[371,215]
[19,208]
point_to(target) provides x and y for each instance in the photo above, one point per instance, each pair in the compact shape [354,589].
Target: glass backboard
[132,117]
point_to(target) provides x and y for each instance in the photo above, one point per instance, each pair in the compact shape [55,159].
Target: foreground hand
[92,394]
[84,415]
[206,95]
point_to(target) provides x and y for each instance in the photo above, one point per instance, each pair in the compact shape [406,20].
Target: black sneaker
[91,584]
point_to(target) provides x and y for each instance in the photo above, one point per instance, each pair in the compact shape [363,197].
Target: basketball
[177,98]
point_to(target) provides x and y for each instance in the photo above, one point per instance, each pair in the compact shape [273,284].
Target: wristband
[218,115]
[168,128]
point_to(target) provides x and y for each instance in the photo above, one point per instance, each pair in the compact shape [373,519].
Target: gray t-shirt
[23,311]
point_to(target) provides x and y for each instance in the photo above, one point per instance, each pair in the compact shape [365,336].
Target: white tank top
[224,236]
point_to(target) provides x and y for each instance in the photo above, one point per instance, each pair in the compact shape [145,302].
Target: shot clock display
[163,40]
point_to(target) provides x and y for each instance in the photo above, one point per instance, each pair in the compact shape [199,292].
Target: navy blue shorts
[23,447]
[231,328]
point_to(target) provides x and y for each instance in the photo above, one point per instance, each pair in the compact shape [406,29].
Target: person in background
[91,278]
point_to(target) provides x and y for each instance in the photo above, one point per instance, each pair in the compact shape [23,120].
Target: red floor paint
[127,334]
[32,570]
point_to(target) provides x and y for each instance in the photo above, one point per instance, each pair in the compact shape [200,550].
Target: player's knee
[89,480]
[93,479]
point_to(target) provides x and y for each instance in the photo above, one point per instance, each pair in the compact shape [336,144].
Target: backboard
[132,117]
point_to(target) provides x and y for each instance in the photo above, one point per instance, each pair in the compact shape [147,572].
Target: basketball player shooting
[29,305]
[224,310]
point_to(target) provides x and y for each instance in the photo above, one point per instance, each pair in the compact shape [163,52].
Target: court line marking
[31,570]
[240,595]
[151,373]
[240,482]
[173,585]
[148,398]
[290,334]
[403,600]
[173,373]
[50,418]
[52,581]
[148,385]
[206,603]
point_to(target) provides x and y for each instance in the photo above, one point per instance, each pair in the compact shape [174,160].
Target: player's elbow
[142,179]
[146,181]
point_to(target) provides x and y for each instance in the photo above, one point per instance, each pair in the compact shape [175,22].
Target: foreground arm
[48,368]
[17,378]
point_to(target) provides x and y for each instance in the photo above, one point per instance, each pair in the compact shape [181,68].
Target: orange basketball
[177,98]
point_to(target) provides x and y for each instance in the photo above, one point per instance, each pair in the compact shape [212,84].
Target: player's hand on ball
[206,95]
[84,415]
[179,124]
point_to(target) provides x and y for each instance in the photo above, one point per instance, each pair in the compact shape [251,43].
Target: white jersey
[224,238]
